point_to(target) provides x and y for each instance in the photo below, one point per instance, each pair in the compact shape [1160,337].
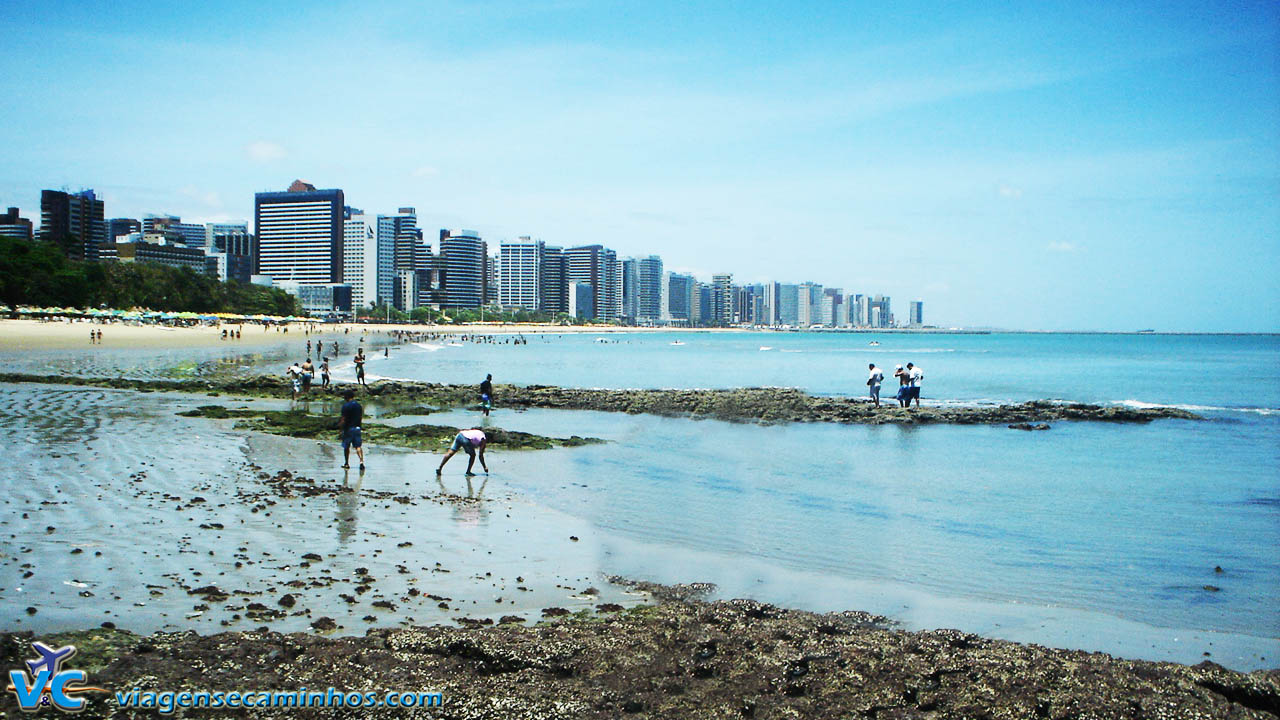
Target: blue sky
[1043,166]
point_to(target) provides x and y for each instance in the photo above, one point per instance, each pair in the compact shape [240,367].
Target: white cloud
[263,151]
[1065,247]
[1010,192]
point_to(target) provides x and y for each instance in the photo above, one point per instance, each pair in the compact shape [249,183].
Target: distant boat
[873,343]
[677,342]
[601,340]
[1148,331]
[765,347]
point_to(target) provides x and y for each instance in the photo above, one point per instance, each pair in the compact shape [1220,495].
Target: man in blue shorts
[472,440]
[349,429]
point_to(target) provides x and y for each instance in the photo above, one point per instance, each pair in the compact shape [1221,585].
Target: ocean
[1153,541]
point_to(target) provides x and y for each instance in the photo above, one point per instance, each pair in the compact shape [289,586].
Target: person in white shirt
[873,382]
[917,379]
[295,376]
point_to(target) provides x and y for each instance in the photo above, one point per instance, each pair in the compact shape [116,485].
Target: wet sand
[132,514]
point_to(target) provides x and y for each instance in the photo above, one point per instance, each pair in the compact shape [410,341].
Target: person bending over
[473,441]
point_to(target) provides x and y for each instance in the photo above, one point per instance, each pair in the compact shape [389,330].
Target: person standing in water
[486,394]
[873,382]
[359,360]
[349,429]
[473,441]
[324,372]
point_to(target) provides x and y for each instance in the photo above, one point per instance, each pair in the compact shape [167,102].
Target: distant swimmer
[873,382]
[486,394]
[359,361]
[472,441]
[349,429]
[916,377]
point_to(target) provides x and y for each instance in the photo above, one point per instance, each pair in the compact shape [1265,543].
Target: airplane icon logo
[49,658]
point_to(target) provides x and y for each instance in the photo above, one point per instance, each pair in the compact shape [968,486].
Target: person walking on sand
[349,429]
[904,385]
[873,382]
[473,441]
[916,376]
[486,394]
[324,372]
[359,360]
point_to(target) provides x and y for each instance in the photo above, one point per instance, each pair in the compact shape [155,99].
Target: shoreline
[752,405]
[680,657]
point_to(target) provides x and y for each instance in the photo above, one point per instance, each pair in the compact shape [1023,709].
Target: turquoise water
[1101,537]
[1123,523]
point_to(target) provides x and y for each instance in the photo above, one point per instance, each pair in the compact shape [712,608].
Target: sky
[1032,166]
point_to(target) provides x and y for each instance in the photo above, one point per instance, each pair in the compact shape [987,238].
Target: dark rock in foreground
[730,659]
[762,405]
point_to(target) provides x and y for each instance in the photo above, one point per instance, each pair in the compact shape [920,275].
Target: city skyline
[1074,168]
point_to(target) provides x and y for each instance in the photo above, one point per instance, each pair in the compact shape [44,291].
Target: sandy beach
[37,335]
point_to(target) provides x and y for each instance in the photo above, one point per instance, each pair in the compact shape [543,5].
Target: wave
[428,346]
[1196,408]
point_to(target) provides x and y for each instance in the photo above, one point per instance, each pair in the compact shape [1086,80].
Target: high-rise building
[582,300]
[465,257]
[706,304]
[360,258]
[76,222]
[789,298]
[235,249]
[681,304]
[13,225]
[122,226]
[300,234]
[400,234]
[597,266]
[721,299]
[520,274]
[916,313]
[630,290]
[878,313]
[554,290]
[649,290]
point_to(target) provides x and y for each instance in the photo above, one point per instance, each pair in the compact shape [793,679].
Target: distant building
[680,298]
[597,266]
[360,258]
[320,299]
[192,234]
[554,290]
[406,290]
[75,222]
[121,226]
[212,230]
[14,225]
[400,247]
[238,248]
[916,313]
[465,257]
[300,234]
[650,289]
[582,300]
[630,290]
[721,299]
[172,255]
[789,298]
[520,274]
[879,314]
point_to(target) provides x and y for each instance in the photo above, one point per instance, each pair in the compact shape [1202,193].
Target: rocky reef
[679,658]
[301,424]
[757,405]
